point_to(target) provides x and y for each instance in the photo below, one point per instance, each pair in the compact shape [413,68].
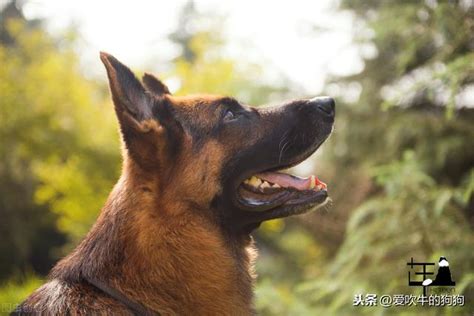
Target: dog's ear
[154,85]
[132,103]
[147,121]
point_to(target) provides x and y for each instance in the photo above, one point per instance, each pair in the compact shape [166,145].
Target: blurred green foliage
[16,290]
[55,129]
[400,165]
[412,134]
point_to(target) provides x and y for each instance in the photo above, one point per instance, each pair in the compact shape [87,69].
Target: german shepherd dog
[200,173]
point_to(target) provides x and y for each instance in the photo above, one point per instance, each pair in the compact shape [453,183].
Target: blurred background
[399,165]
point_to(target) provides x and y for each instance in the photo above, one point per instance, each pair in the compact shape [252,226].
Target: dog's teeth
[313,182]
[254,181]
[276,185]
[319,187]
[265,184]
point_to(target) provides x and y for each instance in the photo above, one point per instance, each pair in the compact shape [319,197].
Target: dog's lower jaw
[172,265]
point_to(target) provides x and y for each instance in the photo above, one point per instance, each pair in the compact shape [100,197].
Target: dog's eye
[229,116]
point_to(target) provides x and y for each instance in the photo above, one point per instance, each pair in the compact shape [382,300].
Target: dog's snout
[326,105]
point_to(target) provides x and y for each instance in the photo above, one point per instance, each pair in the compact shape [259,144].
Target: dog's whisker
[282,151]
[282,148]
[283,138]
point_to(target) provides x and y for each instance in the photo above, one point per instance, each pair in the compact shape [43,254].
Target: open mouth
[259,189]
[280,192]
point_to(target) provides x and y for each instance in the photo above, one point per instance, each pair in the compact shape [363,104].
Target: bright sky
[279,35]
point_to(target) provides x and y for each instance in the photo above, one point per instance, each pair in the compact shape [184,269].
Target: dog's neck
[142,247]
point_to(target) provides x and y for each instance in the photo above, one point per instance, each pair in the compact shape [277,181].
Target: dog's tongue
[288,180]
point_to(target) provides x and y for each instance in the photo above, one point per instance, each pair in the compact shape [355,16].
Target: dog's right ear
[154,85]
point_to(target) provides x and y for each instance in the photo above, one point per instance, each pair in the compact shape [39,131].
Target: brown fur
[171,236]
[155,240]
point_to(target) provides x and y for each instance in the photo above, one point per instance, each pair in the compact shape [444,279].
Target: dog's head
[219,156]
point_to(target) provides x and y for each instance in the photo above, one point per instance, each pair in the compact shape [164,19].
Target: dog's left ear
[147,120]
[133,104]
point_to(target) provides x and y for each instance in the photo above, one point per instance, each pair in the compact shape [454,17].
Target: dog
[200,173]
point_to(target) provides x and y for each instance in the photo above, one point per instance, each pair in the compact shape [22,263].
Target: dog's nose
[326,105]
